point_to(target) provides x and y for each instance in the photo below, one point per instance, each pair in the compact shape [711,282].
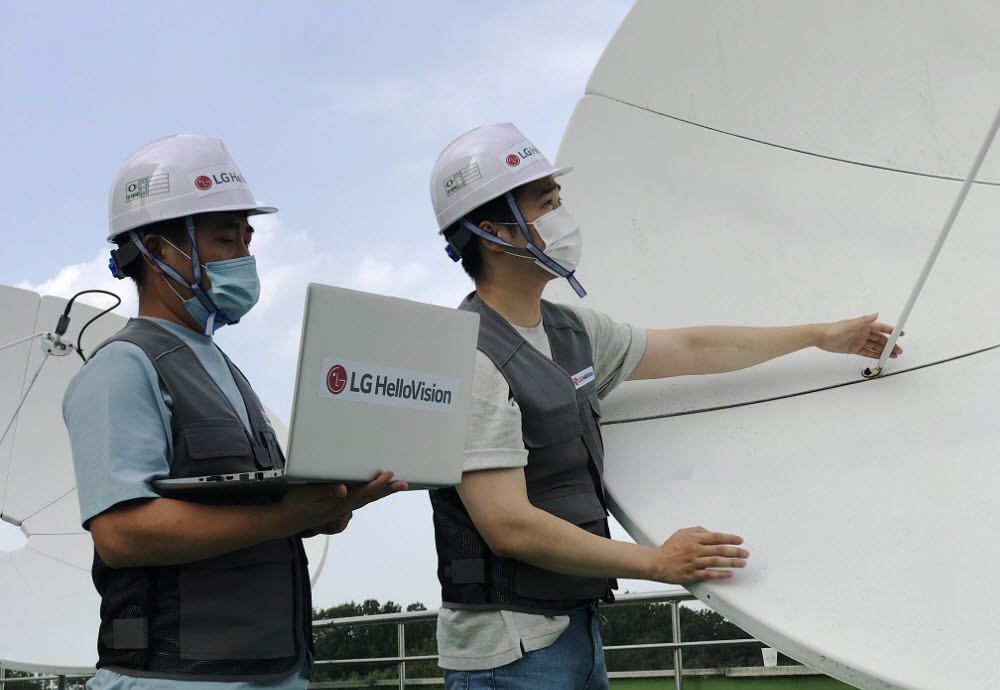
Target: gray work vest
[244,615]
[561,430]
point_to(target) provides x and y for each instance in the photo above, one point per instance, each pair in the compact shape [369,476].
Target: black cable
[64,319]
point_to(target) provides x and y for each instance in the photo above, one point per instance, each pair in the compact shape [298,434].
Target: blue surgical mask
[235,290]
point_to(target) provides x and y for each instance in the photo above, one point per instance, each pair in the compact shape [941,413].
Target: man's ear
[487,226]
[154,244]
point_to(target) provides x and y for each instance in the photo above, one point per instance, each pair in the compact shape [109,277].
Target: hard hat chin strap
[540,255]
[199,292]
[195,286]
[475,230]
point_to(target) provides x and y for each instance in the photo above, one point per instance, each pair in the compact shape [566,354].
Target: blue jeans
[575,661]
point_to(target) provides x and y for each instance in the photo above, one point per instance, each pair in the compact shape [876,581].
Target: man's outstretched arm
[718,349]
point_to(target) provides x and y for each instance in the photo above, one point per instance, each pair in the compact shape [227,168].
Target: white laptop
[382,384]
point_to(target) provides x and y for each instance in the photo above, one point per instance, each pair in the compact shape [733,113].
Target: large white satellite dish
[771,162]
[45,586]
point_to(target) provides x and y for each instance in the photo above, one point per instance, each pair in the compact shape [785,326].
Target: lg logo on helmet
[523,153]
[217,179]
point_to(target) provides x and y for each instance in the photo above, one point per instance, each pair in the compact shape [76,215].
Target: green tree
[624,624]
[421,640]
[651,623]
[372,640]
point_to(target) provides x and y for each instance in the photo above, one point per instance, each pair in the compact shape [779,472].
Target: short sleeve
[617,347]
[118,425]
[493,439]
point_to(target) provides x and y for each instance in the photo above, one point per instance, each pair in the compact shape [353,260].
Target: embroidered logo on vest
[582,378]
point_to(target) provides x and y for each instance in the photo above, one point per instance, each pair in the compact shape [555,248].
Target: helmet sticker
[518,156]
[462,178]
[147,186]
[219,178]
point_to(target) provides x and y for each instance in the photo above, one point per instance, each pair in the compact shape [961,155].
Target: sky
[335,112]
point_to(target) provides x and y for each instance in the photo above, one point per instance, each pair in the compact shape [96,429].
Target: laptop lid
[382,384]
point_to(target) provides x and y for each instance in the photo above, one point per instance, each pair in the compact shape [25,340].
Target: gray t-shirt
[476,640]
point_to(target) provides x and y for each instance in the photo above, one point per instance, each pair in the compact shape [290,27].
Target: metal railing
[672,597]
[53,681]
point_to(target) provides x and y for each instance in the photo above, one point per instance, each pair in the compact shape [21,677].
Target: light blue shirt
[118,417]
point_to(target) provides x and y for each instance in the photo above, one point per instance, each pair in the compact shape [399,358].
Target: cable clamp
[54,345]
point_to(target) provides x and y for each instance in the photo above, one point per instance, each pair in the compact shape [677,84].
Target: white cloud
[88,275]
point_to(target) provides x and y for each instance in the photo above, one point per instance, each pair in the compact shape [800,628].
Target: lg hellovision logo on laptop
[377,385]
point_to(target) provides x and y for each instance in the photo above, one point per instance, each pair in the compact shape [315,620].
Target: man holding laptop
[213,587]
[524,551]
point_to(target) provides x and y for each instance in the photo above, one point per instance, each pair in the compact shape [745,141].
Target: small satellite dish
[46,585]
[773,163]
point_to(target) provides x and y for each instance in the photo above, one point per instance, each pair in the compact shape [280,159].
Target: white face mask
[562,237]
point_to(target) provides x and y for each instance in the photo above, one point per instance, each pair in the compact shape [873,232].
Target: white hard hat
[482,165]
[174,177]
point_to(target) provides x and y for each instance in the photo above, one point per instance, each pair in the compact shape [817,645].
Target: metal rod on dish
[872,372]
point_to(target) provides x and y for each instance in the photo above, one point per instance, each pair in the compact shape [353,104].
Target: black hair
[174,230]
[495,210]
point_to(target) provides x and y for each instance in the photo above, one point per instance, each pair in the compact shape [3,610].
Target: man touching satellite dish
[524,551]
[215,590]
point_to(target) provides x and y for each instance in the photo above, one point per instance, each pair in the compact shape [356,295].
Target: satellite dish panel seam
[790,149]
[746,69]
[759,401]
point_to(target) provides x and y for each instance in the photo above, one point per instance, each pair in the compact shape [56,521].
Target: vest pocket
[239,605]
[578,504]
[595,404]
[216,438]
[542,428]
